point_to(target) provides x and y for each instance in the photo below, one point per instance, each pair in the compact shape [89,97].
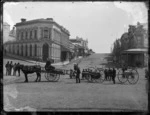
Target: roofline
[42,21]
[143,50]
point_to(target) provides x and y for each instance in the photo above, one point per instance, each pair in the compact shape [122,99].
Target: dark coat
[78,70]
[114,72]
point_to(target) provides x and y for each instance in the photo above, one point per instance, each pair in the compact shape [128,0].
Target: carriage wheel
[50,76]
[133,77]
[101,78]
[88,77]
[121,77]
[57,77]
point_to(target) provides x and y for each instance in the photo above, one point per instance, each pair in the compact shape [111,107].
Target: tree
[116,52]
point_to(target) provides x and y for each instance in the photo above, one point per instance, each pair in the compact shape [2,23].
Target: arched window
[35,50]
[31,50]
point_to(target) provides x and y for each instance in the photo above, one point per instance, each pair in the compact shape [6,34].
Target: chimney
[49,19]
[23,19]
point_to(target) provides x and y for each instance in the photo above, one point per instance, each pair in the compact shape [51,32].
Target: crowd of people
[110,74]
[11,68]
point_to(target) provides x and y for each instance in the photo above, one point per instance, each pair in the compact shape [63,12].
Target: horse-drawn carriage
[50,75]
[129,74]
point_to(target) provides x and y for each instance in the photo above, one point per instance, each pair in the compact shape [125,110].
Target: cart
[54,75]
[131,75]
[93,74]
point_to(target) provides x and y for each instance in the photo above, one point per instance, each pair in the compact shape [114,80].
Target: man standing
[109,74]
[10,67]
[7,68]
[113,75]
[14,70]
[78,74]
[18,68]
[106,76]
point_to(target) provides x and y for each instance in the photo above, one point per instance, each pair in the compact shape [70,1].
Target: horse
[29,69]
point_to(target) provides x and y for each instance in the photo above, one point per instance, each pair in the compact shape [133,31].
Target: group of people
[11,68]
[110,74]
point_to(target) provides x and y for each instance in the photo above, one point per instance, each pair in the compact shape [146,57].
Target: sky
[99,22]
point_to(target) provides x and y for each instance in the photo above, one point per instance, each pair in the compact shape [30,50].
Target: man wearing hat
[77,69]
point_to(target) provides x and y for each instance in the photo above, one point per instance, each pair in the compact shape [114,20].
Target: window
[21,35]
[18,35]
[26,50]
[50,33]
[45,33]
[35,34]
[22,50]
[30,50]
[26,35]
[35,50]
[30,34]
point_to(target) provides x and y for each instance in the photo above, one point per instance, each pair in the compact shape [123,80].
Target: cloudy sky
[99,22]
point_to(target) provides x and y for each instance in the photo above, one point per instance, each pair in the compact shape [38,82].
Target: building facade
[40,39]
[80,46]
[135,45]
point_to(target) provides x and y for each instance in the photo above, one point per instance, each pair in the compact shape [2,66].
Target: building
[81,46]
[40,39]
[136,45]
[7,36]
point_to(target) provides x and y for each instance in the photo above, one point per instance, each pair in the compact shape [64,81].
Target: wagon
[54,75]
[131,75]
[93,74]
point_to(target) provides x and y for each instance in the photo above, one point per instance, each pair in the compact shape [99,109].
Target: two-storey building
[40,39]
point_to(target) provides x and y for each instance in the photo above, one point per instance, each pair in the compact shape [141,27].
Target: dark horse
[29,69]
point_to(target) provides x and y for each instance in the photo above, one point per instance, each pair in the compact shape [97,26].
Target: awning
[135,51]
[64,49]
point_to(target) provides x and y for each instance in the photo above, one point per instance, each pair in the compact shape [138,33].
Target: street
[67,95]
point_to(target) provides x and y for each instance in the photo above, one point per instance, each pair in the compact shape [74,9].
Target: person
[146,73]
[10,67]
[113,75]
[105,72]
[75,65]
[14,70]
[7,68]
[71,73]
[109,74]
[18,68]
[48,66]
[83,75]
[78,74]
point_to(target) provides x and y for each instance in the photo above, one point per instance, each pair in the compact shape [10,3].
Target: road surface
[68,96]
